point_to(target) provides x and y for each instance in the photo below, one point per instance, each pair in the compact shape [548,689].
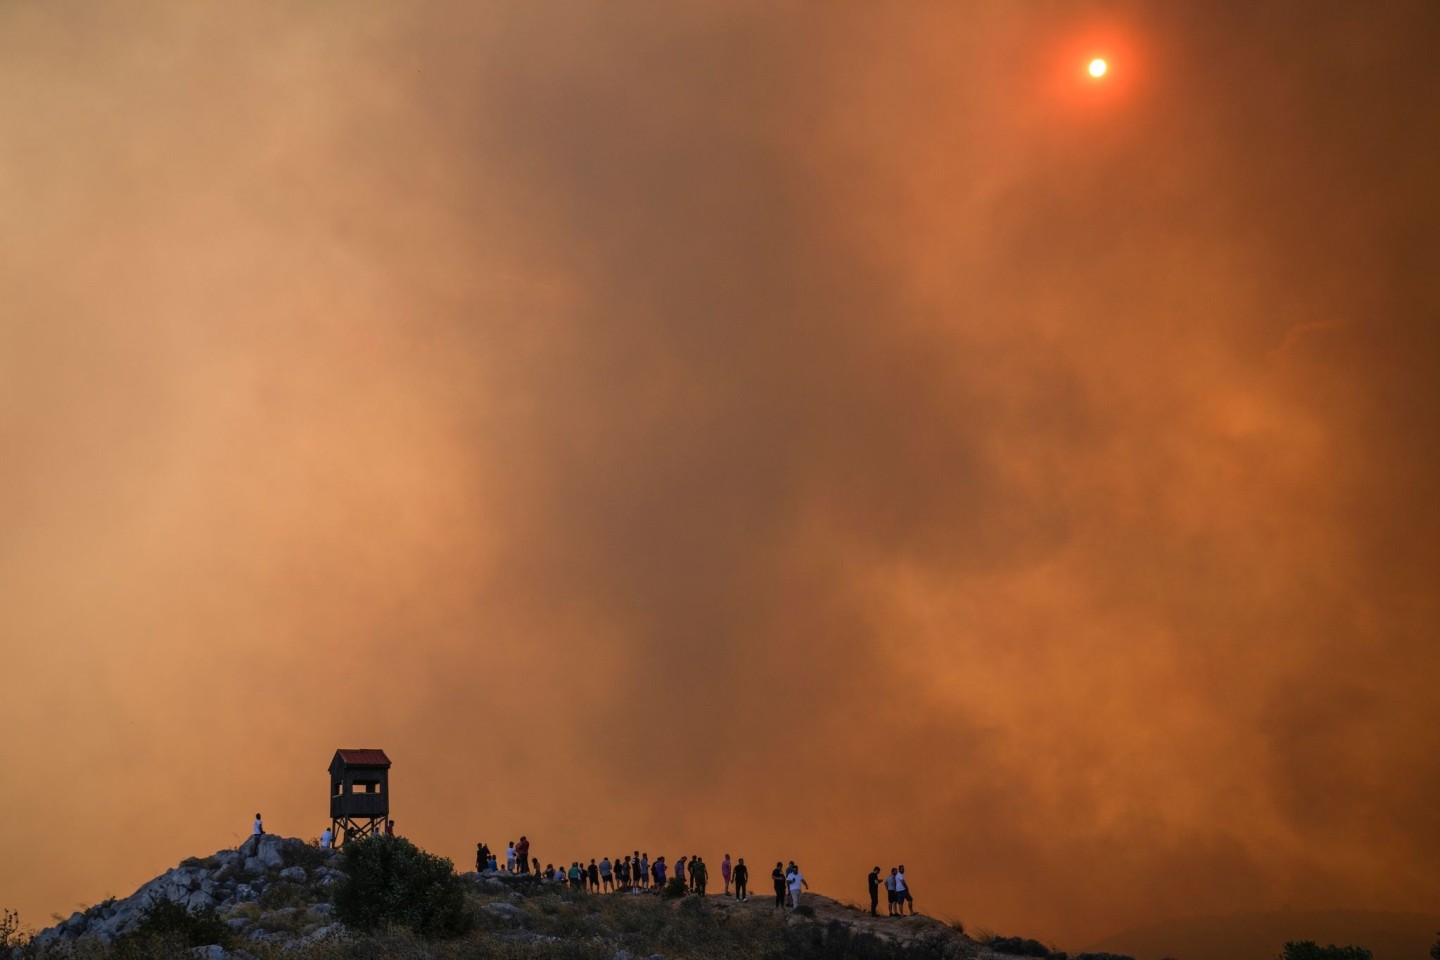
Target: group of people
[637,872]
[632,873]
[897,892]
[517,857]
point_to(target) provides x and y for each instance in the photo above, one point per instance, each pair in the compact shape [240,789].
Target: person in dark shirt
[522,854]
[778,875]
[594,871]
[702,874]
[874,881]
[742,879]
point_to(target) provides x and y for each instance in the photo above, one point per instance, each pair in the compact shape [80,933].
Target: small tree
[391,882]
[1308,950]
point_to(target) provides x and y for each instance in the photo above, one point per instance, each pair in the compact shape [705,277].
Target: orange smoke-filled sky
[839,431]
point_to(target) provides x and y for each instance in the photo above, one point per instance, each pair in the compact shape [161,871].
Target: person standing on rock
[659,869]
[389,828]
[522,853]
[725,873]
[645,871]
[874,883]
[607,880]
[902,892]
[797,880]
[890,890]
[702,874]
[778,875]
[482,859]
[742,881]
[256,833]
[680,866]
[510,856]
[594,872]
[327,840]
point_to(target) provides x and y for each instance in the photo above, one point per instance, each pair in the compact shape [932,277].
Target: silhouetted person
[874,881]
[256,832]
[725,872]
[535,864]
[702,874]
[389,828]
[522,854]
[594,872]
[681,866]
[742,881]
[606,878]
[778,875]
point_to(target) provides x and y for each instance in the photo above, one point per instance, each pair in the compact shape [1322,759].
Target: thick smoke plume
[837,431]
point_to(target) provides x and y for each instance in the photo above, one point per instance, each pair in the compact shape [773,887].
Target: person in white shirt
[510,857]
[256,834]
[902,892]
[327,839]
[797,880]
[890,890]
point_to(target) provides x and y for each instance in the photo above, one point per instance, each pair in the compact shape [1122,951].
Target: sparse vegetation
[1309,950]
[1435,950]
[391,882]
[12,932]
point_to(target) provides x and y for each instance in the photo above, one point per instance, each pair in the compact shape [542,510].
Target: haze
[834,431]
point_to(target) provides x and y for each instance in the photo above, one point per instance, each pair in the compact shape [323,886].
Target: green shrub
[1308,950]
[282,893]
[391,882]
[675,887]
[166,929]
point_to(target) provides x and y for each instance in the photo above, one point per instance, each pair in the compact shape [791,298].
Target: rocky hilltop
[280,902]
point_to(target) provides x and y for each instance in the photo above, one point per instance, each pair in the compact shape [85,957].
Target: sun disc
[1098,67]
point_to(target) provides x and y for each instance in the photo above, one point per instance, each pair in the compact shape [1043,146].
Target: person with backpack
[742,881]
[874,883]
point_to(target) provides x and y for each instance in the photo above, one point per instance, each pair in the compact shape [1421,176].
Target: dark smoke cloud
[837,433]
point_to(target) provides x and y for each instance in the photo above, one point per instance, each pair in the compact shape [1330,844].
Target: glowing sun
[1098,67]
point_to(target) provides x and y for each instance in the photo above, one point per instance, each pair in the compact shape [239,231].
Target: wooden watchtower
[359,793]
